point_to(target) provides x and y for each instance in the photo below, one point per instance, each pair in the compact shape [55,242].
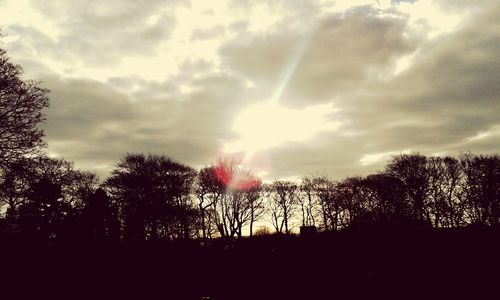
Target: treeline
[152,197]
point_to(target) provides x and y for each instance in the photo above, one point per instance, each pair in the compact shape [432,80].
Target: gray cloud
[97,32]
[94,124]
[447,96]
[335,62]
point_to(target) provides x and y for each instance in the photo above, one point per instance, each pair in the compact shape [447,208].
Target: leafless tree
[308,201]
[255,197]
[481,188]
[21,105]
[444,188]
[228,196]
[282,205]
[209,189]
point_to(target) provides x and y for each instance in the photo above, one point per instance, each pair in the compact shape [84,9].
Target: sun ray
[285,78]
[293,64]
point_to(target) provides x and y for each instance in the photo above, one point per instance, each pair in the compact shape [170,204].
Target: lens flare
[235,178]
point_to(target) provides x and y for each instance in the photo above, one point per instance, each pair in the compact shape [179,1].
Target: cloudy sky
[292,88]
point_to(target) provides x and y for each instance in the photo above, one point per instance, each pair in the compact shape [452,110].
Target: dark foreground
[368,264]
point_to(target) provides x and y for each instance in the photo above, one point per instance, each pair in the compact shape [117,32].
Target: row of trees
[151,197]
[435,191]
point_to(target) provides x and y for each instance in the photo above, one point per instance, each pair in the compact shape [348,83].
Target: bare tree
[481,188]
[330,210]
[209,190]
[21,105]
[283,200]
[307,200]
[444,181]
[229,196]
[256,202]
[349,194]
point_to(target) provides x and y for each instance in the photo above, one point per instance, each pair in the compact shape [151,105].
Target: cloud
[94,124]
[126,76]
[335,62]
[97,32]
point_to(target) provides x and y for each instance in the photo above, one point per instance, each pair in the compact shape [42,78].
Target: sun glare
[267,125]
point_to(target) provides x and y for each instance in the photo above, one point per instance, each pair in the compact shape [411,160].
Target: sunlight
[493,131]
[268,125]
[370,159]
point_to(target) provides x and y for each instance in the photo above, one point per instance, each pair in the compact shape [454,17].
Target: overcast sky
[293,88]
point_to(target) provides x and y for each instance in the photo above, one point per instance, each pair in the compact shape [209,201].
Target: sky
[290,88]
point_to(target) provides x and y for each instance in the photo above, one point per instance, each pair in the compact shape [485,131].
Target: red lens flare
[234,179]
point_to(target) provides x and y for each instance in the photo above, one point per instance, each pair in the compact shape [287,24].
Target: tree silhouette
[43,216]
[255,198]
[229,198]
[21,105]
[14,186]
[307,201]
[18,181]
[481,188]
[152,194]
[209,189]
[386,195]
[445,205]
[283,200]
[99,217]
[329,205]
[412,170]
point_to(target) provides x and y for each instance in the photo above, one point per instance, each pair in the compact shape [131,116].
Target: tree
[307,201]
[99,218]
[283,200]
[255,199]
[262,231]
[481,188]
[21,105]
[350,196]
[229,198]
[209,189]
[412,170]
[15,182]
[153,196]
[385,195]
[45,213]
[445,203]
[20,176]
[331,209]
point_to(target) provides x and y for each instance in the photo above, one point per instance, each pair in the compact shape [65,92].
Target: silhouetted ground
[423,264]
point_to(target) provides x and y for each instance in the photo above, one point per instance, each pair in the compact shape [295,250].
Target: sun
[268,124]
